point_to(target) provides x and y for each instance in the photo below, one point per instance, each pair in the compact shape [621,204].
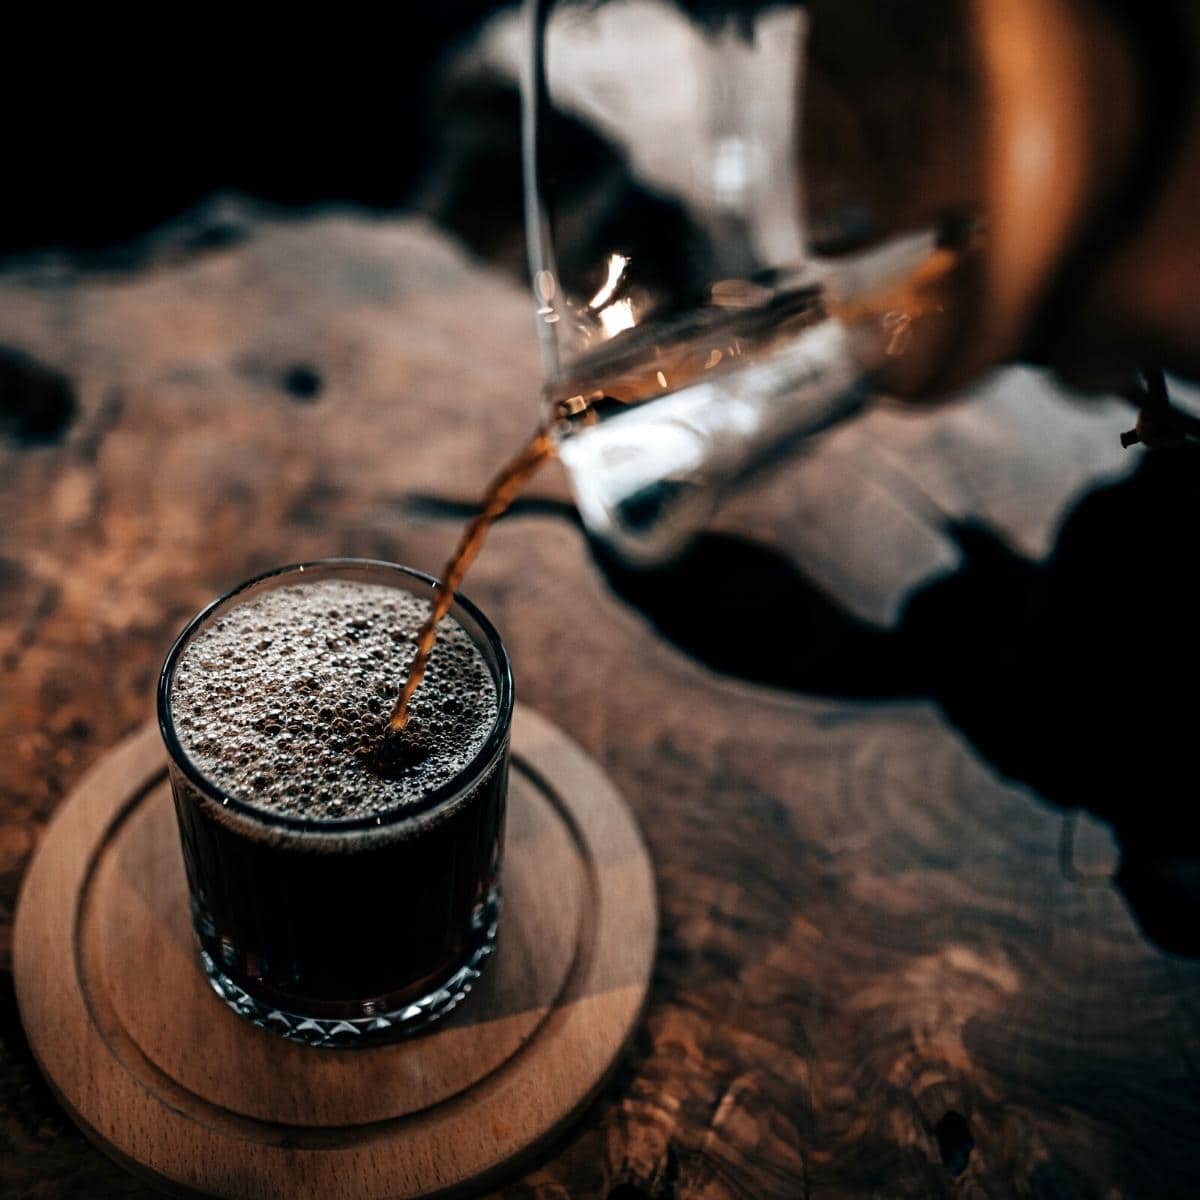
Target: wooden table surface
[893,959]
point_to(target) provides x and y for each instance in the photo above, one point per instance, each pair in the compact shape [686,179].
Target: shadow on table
[1076,676]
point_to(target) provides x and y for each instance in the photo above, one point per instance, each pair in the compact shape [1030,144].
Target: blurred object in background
[1054,143]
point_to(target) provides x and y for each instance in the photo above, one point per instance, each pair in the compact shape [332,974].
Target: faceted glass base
[411,1018]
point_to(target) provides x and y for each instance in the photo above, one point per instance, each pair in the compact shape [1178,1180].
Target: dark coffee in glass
[344,885]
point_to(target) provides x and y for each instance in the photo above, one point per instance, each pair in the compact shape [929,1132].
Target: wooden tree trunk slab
[884,967]
[168,1080]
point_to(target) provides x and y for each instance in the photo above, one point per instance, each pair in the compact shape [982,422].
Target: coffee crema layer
[283,702]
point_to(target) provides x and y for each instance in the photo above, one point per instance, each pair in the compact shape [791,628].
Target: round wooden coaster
[161,1075]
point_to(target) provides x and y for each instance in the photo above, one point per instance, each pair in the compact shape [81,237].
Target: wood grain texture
[167,1079]
[866,930]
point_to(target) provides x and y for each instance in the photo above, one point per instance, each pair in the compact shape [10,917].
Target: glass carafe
[687,338]
[740,213]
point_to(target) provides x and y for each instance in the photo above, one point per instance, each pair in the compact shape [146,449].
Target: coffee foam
[284,699]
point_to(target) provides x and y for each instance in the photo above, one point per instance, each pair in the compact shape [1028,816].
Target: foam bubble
[298,727]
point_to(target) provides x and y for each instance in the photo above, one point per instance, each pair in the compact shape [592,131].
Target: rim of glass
[436,798]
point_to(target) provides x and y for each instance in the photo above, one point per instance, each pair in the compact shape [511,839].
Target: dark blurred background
[114,124]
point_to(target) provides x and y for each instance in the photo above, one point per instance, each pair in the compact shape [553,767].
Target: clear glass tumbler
[344,931]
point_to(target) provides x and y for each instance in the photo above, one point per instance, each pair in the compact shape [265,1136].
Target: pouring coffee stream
[501,492]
